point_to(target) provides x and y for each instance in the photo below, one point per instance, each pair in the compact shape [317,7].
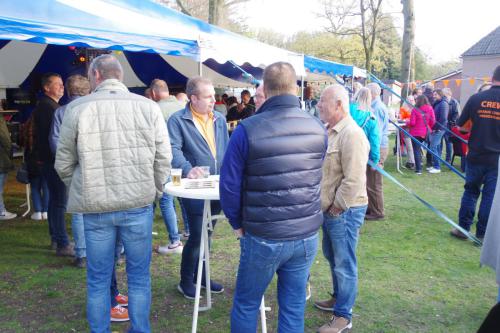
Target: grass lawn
[413,277]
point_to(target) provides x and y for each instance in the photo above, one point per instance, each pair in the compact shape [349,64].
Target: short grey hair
[338,93]
[193,85]
[77,85]
[374,89]
[107,66]
[447,92]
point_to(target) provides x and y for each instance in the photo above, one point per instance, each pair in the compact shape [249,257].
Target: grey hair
[337,92]
[107,66]
[447,92]
[374,89]
[364,99]
[77,85]
[193,85]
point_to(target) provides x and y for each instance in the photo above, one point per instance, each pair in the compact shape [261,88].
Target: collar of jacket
[279,101]
[342,124]
[111,84]
[186,113]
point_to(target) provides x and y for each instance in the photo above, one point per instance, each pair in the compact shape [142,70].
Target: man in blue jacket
[270,192]
[441,108]
[199,137]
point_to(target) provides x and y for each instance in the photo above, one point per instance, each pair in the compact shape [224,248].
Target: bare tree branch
[183,9]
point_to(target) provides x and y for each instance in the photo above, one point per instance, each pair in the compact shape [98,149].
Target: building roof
[488,45]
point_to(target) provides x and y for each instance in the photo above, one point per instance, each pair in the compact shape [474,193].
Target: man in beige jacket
[114,157]
[343,201]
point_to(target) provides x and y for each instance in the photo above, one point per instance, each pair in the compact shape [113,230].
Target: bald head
[279,79]
[334,104]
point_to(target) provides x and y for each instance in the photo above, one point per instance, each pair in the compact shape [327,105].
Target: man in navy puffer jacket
[270,192]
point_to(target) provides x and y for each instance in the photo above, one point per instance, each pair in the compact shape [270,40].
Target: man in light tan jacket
[343,201]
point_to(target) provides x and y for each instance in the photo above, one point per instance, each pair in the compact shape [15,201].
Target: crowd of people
[284,172]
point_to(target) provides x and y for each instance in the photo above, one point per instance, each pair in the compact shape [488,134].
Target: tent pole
[302,88]
[200,67]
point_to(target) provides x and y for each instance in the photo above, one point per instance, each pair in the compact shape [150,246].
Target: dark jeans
[417,152]
[477,176]
[191,251]
[57,205]
[448,146]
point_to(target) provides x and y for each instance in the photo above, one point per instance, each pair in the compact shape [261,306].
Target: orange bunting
[458,82]
[433,82]
[446,82]
[472,81]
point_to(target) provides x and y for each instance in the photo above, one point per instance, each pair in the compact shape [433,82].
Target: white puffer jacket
[114,150]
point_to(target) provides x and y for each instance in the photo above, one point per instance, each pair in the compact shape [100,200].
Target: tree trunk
[408,40]
[214,11]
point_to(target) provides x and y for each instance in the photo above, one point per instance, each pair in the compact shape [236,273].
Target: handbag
[22,174]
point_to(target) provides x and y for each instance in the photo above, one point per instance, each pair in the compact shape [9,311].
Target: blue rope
[426,204]
[404,100]
[451,167]
[246,75]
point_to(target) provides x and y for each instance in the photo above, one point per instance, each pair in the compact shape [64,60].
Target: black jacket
[281,187]
[42,118]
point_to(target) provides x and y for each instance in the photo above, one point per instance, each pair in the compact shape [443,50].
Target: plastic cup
[206,171]
[176,176]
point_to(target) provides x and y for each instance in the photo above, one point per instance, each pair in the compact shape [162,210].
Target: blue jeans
[57,205]
[78,235]
[435,145]
[477,176]
[417,153]
[449,146]
[340,238]
[191,251]
[259,260]
[169,217]
[133,227]
[39,194]
[3,178]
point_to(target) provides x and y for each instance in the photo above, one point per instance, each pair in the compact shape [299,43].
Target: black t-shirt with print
[483,111]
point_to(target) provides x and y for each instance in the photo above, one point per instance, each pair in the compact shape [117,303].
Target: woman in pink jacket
[420,123]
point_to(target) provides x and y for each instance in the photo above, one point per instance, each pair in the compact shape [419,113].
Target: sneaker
[435,170]
[66,251]
[188,291]
[409,165]
[80,262]
[326,305]
[215,288]
[418,172]
[44,215]
[336,325]
[37,216]
[185,236]
[5,215]
[119,313]
[458,234]
[172,248]
[371,217]
[122,300]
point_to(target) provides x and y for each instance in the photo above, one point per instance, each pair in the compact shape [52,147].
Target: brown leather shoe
[66,251]
[370,217]
[336,325]
[326,305]
[458,234]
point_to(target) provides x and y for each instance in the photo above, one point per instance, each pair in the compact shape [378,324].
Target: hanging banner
[472,81]
[446,82]
[458,82]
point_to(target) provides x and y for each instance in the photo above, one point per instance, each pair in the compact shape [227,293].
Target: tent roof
[326,67]
[136,25]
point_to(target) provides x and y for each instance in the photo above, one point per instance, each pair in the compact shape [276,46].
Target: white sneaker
[5,215]
[429,168]
[172,248]
[44,215]
[434,170]
[37,216]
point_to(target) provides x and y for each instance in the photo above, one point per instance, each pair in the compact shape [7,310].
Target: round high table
[206,194]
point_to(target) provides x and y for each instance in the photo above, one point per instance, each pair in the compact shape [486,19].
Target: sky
[444,28]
